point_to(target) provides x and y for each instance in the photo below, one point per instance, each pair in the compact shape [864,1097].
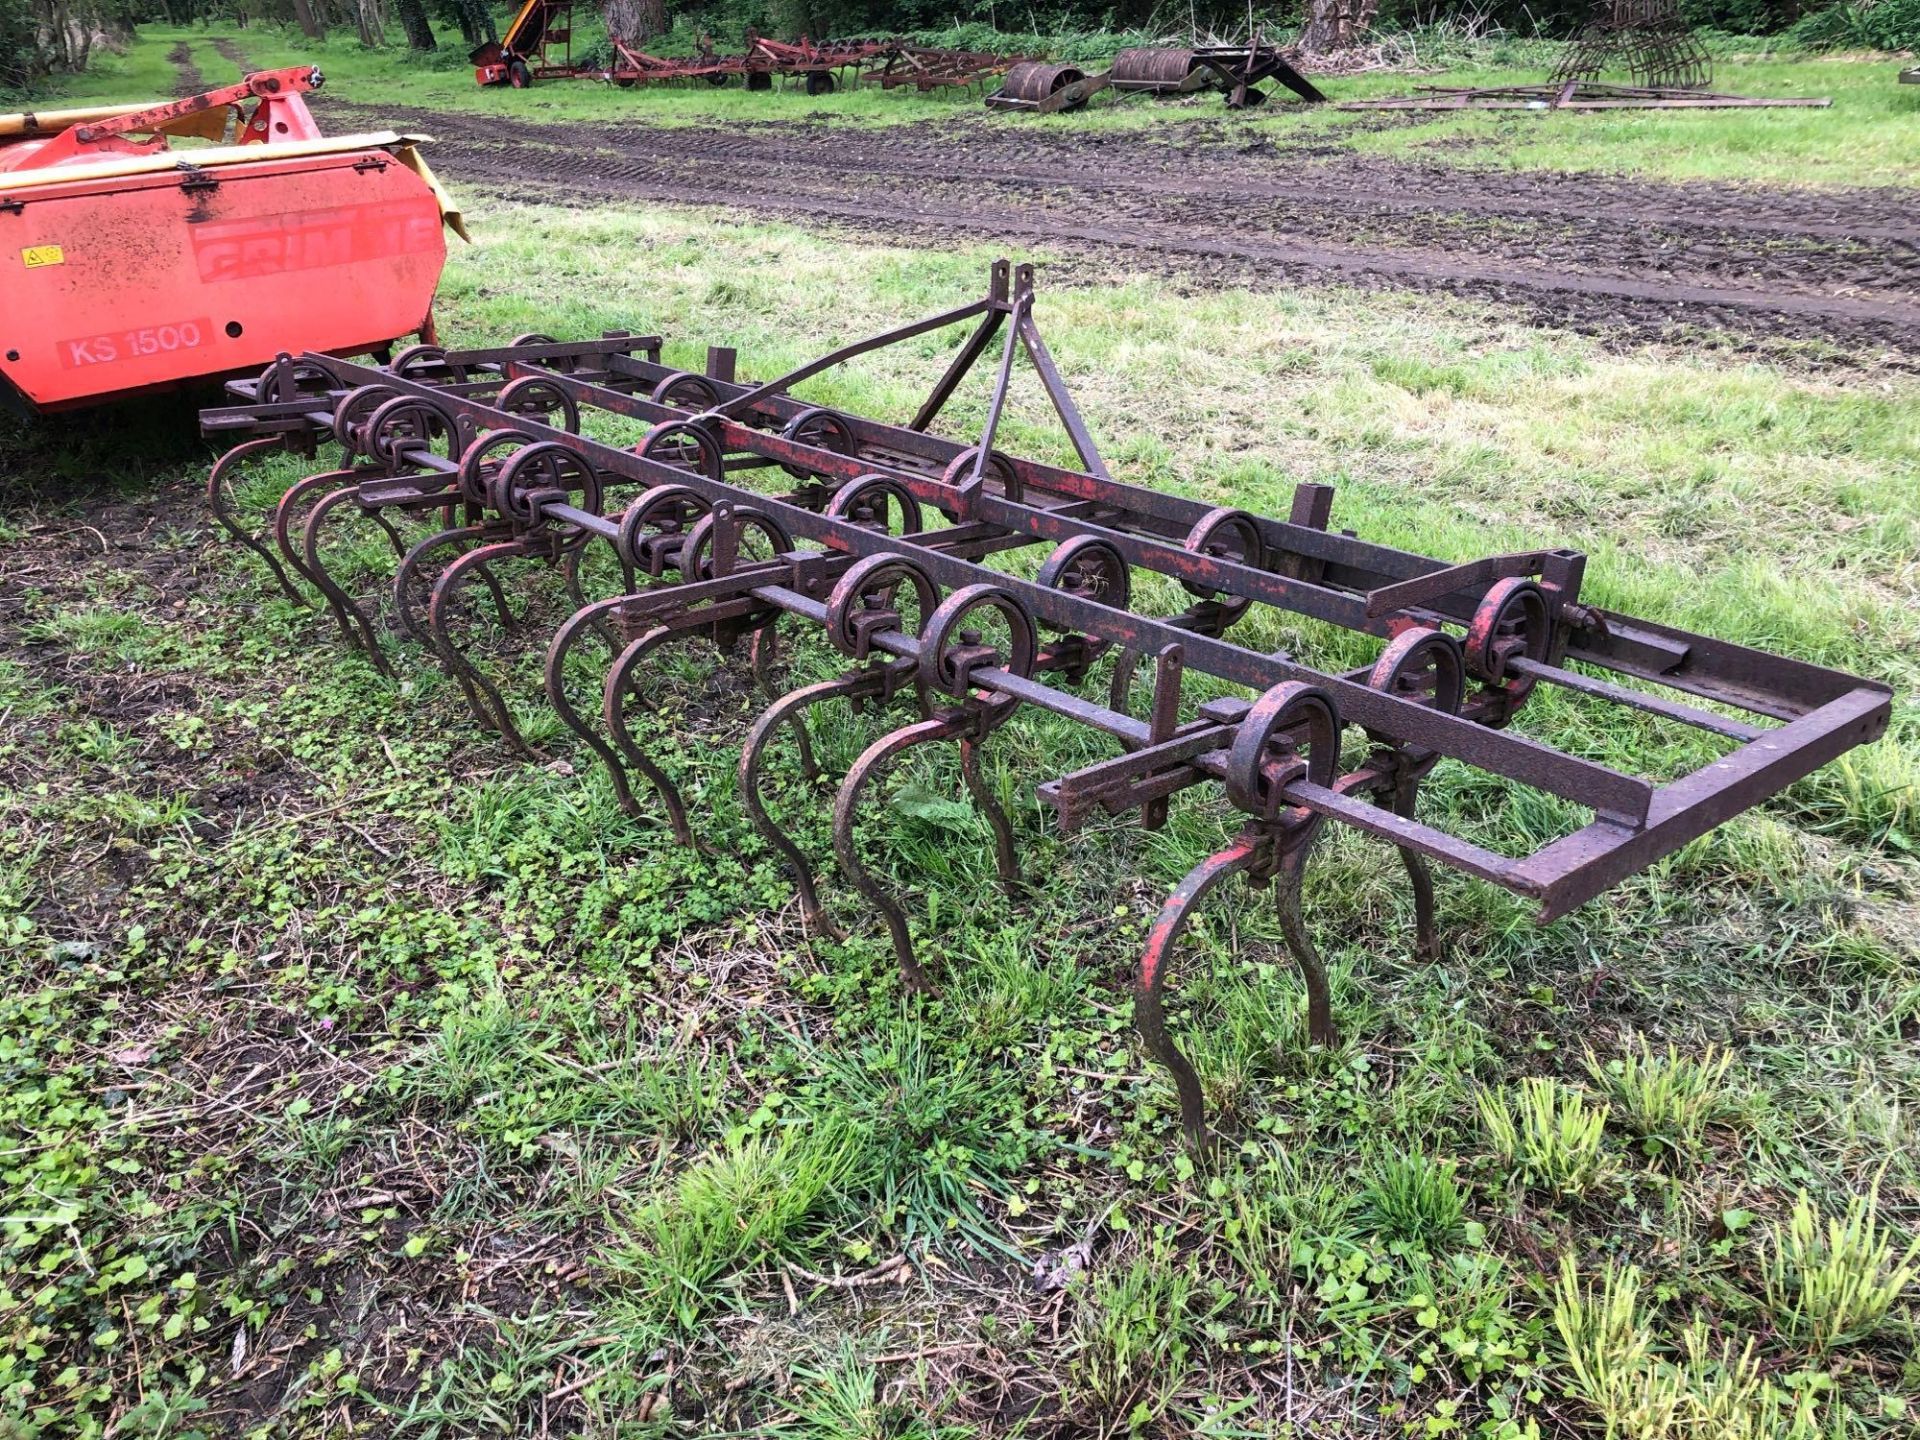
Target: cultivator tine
[884,545]
[290,514]
[619,690]
[946,726]
[788,713]
[1288,882]
[1149,1016]
[1427,946]
[346,610]
[489,707]
[984,800]
[593,620]
[219,482]
[410,580]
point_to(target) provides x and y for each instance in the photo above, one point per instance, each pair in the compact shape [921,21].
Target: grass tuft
[1414,1197]
[1550,1133]
[1667,1099]
[1830,1284]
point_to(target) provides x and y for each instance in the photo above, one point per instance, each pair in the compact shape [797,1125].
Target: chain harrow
[884,543]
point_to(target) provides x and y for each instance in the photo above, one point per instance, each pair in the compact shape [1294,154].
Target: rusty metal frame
[1464,645]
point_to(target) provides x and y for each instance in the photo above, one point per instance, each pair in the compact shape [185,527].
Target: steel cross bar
[1143,547]
[1595,786]
[1345,566]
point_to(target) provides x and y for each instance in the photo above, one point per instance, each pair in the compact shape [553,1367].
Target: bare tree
[634,22]
[1336,24]
[413,20]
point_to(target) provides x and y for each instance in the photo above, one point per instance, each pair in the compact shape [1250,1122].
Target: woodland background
[40,39]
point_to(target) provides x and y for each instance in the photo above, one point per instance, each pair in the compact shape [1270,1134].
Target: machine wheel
[624,84]
[518,75]
[759,80]
[717,79]
[819,82]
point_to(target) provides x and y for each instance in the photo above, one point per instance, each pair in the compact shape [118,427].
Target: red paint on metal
[316,253]
[143,340]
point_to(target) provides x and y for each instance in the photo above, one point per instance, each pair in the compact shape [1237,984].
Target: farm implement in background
[538,45]
[1668,67]
[132,265]
[1046,88]
[1235,69]
[1128,612]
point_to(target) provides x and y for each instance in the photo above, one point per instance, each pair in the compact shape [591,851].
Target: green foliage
[1134,1329]
[1637,1393]
[1831,1283]
[1860,25]
[1413,1197]
[1667,1099]
[741,1206]
[1550,1134]
[452,1100]
[934,1134]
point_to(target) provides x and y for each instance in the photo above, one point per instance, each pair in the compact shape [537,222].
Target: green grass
[359,1074]
[1857,141]
[1860,140]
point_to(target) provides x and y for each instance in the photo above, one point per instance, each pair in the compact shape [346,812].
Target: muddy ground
[1830,275]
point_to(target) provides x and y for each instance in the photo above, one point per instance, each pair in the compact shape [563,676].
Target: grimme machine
[135,264]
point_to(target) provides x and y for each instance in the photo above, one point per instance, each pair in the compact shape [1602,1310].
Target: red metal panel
[132,284]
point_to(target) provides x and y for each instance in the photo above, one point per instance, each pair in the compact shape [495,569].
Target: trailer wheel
[819,82]
[717,79]
[518,75]
[623,83]
[759,80]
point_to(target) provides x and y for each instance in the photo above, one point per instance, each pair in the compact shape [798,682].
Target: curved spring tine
[217,499]
[1120,691]
[1426,945]
[762,653]
[1286,899]
[407,582]
[1149,1018]
[379,517]
[847,852]
[589,620]
[345,608]
[1003,857]
[613,709]
[570,574]
[492,711]
[290,507]
[753,757]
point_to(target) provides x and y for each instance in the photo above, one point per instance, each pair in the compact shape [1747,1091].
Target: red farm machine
[134,263]
[537,45]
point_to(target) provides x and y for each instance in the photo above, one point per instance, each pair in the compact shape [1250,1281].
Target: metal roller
[1156,70]
[1034,80]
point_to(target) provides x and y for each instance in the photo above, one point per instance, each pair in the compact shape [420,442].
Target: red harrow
[882,540]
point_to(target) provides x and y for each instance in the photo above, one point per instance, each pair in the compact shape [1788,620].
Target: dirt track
[186,75]
[1204,202]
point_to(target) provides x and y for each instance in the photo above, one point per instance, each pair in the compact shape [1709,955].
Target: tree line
[42,37]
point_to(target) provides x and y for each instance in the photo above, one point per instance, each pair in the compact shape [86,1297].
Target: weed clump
[1827,1285]
[1414,1197]
[1550,1134]
[1667,1099]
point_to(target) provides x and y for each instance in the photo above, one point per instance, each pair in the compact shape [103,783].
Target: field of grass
[361,1078]
[1863,139]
